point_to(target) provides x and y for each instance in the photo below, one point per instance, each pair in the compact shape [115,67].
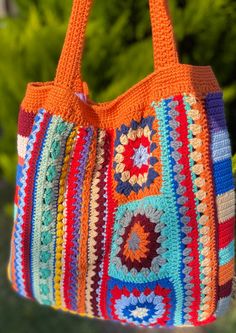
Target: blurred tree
[118,51]
[7,7]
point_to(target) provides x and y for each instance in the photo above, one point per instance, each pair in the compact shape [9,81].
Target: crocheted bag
[125,210]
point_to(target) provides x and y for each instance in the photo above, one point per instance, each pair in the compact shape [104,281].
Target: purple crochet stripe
[73,289]
[215,111]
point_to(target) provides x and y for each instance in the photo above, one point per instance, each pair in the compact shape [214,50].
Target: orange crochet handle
[69,68]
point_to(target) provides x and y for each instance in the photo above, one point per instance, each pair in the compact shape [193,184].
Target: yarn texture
[124,210]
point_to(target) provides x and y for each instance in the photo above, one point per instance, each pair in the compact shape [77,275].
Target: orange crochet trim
[11,267]
[166,82]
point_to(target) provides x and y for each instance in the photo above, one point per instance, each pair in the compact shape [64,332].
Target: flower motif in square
[136,157]
[145,308]
[137,243]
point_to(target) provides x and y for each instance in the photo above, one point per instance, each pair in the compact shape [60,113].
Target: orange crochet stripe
[226,272]
[11,266]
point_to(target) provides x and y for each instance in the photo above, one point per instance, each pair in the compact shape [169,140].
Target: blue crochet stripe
[19,175]
[223,176]
[168,191]
[221,149]
[226,254]
[215,112]
[21,205]
[175,186]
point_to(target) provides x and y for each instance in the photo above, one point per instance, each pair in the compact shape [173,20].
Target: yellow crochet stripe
[60,221]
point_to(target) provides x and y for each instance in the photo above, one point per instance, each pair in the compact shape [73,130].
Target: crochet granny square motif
[137,166]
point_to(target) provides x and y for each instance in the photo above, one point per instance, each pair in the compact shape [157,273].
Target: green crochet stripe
[45,213]
[38,210]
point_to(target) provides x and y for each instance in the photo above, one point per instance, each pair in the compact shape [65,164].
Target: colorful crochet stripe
[133,224]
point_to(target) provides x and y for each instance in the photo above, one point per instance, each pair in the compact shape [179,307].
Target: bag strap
[69,68]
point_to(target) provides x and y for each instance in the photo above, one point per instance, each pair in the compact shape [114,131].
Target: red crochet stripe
[25,122]
[112,205]
[208,321]
[20,161]
[226,289]
[28,204]
[226,232]
[70,221]
[187,182]
[102,201]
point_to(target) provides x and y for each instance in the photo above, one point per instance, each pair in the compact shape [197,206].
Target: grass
[21,316]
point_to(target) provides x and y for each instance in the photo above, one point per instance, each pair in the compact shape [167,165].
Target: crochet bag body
[124,210]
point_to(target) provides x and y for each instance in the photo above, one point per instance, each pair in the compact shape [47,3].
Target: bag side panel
[225,197]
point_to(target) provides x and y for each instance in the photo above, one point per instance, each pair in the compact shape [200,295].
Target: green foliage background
[118,54]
